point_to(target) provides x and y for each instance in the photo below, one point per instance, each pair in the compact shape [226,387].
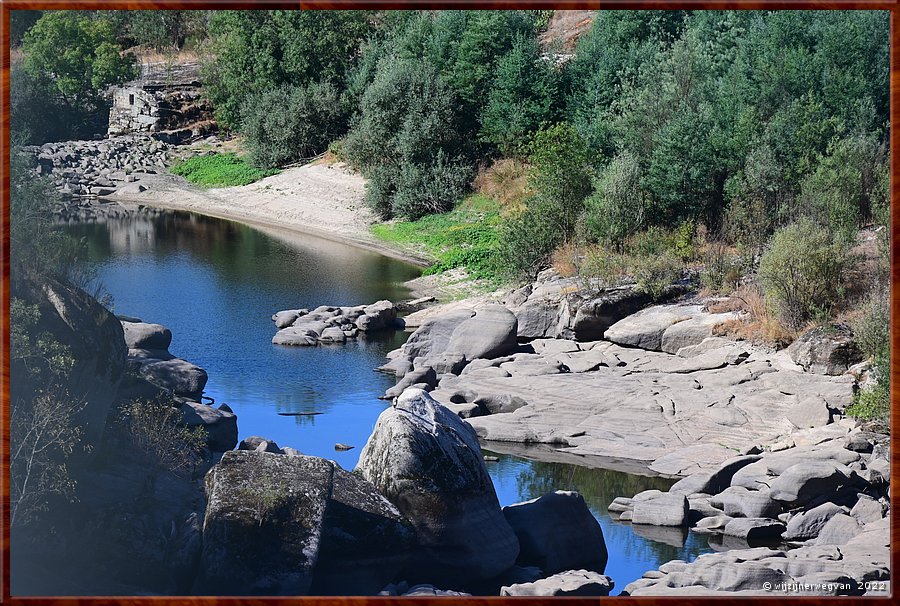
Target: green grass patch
[219,170]
[465,237]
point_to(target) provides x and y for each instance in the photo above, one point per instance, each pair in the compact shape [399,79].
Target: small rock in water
[490,459]
[340,446]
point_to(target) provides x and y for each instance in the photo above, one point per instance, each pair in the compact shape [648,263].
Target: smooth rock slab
[754,529]
[663,510]
[808,524]
[569,583]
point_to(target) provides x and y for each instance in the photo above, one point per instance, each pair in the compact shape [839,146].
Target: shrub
[802,272]
[505,181]
[291,123]
[528,238]
[721,268]
[219,170]
[874,403]
[871,328]
[406,141]
[618,207]
[654,274]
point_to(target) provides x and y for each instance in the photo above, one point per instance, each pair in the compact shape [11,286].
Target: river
[216,283]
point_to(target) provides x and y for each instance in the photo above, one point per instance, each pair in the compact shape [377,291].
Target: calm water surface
[216,284]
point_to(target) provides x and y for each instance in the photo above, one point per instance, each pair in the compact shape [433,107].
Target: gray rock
[285,318]
[421,376]
[867,510]
[176,375]
[737,501]
[805,481]
[557,532]
[259,444]
[499,403]
[332,334]
[754,529]
[808,524]
[713,482]
[536,318]
[712,524]
[434,335]
[569,583]
[296,336]
[663,510]
[377,316]
[220,425]
[810,411]
[442,363]
[263,524]
[425,590]
[825,350]
[365,540]
[490,333]
[838,530]
[146,336]
[427,461]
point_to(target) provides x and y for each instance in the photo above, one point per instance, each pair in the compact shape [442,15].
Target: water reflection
[633,550]
[216,283]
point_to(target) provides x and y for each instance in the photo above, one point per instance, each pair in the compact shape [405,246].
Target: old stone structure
[166,101]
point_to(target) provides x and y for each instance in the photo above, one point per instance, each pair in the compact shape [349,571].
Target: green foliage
[163,29]
[92,59]
[874,403]
[802,272]
[722,269]
[561,178]
[156,429]
[219,170]
[524,94]
[464,237]
[618,207]
[255,51]
[654,274]
[838,194]
[290,123]
[408,143]
[19,24]
[871,328]
[527,239]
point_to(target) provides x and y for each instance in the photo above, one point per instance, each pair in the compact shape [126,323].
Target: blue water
[216,283]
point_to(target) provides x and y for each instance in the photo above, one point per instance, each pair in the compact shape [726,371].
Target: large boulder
[176,375]
[434,335]
[715,481]
[805,481]
[142,335]
[569,583]
[557,532]
[490,333]
[263,523]
[377,316]
[838,530]
[737,501]
[220,425]
[827,350]
[365,542]
[664,509]
[95,339]
[808,524]
[427,462]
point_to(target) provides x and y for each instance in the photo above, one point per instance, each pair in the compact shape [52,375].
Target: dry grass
[760,326]
[506,181]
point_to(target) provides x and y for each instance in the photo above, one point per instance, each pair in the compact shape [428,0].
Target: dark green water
[216,283]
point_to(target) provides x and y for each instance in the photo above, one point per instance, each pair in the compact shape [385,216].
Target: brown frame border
[7,5]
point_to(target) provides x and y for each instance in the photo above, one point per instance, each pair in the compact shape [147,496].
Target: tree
[407,141]
[290,123]
[619,206]
[524,94]
[78,54]
[254,51]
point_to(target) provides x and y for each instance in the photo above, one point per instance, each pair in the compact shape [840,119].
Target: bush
[506,181]
[291,123]
[407,141]
[802,272]
[219,170]
[619,206]
[871,328]
[654,274]
[528,238]
[874,403]
[721,268]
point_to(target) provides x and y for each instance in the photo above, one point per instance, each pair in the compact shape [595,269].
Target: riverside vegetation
[741,155]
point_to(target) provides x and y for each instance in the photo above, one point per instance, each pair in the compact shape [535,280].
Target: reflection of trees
[240,253]
[599,487]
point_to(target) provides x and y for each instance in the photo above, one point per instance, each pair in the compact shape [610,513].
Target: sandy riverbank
[326,201]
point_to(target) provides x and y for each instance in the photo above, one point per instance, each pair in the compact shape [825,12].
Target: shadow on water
[216,283]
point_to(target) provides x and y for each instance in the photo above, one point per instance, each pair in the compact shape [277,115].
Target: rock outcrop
[569,583]
[327,324]
[827,350]
[427,461]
